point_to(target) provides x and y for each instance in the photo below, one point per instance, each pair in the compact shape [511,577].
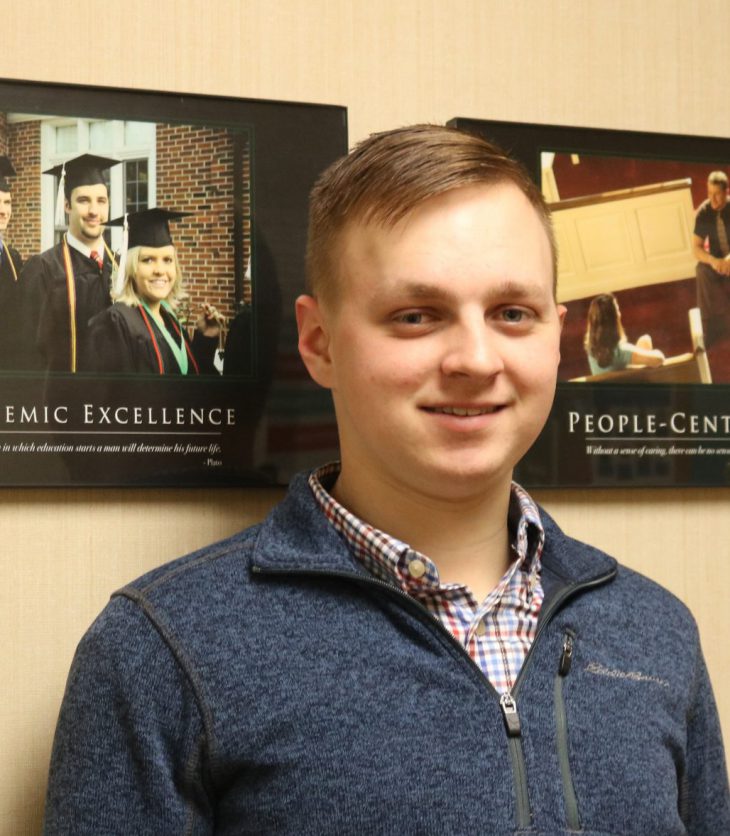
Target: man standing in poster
[11,264]
[712,225]
[69,283]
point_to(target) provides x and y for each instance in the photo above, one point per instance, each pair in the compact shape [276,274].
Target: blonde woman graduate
[141,331]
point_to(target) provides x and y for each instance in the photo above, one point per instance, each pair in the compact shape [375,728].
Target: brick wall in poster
[195,174]
[21,141]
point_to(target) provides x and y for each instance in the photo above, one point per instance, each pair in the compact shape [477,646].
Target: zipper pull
[511,717]
[566,658]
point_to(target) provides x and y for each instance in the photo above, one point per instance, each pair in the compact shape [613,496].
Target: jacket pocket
[572,814]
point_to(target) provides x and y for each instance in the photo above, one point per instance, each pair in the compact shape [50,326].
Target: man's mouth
[463,412]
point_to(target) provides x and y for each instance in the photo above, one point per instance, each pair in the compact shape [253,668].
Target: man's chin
[454,480]
[89,235]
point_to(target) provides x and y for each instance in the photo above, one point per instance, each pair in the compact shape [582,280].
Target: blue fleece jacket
[267,684]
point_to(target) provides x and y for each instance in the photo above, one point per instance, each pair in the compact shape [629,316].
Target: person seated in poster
[141,331]
[606,344]
[712,225]
[11,264]
[64,286]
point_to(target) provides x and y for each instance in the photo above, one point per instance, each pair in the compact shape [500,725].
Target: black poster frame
[623,434]
[257,424]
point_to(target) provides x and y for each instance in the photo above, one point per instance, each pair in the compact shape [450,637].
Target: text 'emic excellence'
[117,416]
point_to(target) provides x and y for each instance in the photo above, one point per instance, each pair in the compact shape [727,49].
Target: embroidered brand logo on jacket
[614,673]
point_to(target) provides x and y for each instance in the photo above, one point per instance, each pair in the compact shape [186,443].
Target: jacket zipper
[507,701]
[517,756]
[572,815]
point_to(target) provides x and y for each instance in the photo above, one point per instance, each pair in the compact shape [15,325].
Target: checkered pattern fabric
[498,631]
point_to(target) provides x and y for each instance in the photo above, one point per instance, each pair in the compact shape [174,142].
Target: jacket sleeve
[704,795]
[129,751]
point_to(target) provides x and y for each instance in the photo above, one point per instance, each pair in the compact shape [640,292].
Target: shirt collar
[82,248]
[386,557]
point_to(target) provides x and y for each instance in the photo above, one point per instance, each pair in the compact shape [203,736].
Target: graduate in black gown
[11,264]
[69,283]
[141,332]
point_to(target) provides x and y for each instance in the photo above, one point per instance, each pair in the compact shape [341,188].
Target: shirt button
[416,568]
[481,628]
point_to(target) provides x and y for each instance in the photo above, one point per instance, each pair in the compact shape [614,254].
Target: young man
[11,263]
[712,225]
[69,283]
[407,644]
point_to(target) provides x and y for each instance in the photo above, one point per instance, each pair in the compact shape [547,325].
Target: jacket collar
[572,561]
[297,537]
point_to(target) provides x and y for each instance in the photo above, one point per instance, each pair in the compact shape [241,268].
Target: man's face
[717,195]
[6,210]
[443,346]
[88,211]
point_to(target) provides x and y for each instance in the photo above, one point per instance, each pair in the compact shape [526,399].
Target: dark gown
[46,306]
[120,342]
[11,316]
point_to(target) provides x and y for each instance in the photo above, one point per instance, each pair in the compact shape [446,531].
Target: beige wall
[659,65]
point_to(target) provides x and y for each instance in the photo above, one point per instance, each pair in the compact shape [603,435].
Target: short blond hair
[128,294]
[389,174]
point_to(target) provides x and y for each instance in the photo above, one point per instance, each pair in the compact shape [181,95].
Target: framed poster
[644,379]
[235,174]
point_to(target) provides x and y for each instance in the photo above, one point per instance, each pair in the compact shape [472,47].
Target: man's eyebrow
[420,289]
[509,288]
[515,289]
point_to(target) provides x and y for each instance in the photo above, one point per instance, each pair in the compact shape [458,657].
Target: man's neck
[467,537]
[84,247]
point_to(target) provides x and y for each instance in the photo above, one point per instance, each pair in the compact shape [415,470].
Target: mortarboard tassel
[122,268]
[60,199]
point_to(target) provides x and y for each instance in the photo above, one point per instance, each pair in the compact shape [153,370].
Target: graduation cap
[86,170]
[6,170]
[148,228]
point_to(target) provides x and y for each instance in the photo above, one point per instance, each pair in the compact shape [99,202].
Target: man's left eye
[513,315]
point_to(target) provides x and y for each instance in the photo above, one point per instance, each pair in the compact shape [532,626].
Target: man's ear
[562,312]
[314,340]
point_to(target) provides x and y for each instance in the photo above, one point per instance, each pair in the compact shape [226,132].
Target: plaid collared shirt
[498,631]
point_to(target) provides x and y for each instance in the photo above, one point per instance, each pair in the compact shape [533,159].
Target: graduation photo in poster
[152,248]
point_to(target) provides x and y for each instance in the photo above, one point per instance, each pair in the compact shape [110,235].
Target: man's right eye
[411,318]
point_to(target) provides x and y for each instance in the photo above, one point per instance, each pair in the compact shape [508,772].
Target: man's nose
[473,350]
